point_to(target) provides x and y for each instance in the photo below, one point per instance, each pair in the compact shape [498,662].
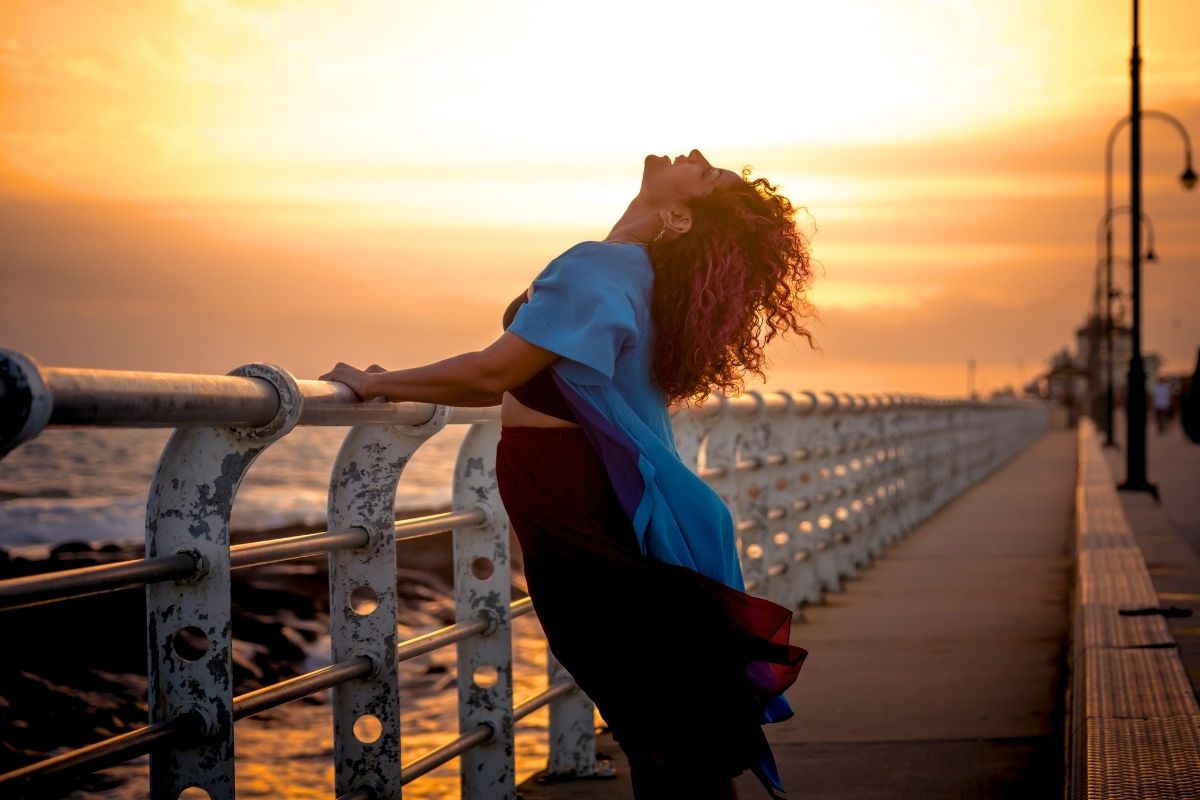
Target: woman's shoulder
[609,260]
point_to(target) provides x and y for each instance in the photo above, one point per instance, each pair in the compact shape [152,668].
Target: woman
[630,558]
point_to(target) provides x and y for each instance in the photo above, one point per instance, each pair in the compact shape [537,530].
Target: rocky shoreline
[74,672]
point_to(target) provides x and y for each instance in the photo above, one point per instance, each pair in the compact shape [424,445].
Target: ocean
[91,484]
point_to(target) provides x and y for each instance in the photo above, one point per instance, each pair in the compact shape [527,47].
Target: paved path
[1169,534]
[940,673]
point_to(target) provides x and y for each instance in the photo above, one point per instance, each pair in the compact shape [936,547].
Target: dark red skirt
[679,665]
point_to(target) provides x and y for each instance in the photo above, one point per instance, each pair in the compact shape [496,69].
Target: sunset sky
[192,185]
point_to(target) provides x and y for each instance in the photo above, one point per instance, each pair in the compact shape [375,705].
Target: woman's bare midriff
[514,413]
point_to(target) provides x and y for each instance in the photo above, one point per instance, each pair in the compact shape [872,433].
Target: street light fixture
[1188,178]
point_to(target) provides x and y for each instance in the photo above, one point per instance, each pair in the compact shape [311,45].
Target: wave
[92,485]
[48,521]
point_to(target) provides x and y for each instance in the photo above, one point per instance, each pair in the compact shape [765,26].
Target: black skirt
[680,666]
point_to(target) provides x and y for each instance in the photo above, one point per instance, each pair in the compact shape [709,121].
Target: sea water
[91,484]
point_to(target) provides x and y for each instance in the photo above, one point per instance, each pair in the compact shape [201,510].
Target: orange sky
[194,185]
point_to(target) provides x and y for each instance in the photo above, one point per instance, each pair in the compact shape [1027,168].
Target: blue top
[591,305]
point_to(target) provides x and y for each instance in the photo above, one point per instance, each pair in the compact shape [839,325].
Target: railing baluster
[482,588]
[189,637]
[362,602]
[572,728]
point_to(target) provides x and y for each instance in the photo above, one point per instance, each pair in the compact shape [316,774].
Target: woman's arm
[477,378]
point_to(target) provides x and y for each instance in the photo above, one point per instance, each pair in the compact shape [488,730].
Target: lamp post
[1101,326]
[1187,179]
[1135,452]
[1105,227]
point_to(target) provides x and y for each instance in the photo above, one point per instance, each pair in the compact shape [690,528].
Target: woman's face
[671,181]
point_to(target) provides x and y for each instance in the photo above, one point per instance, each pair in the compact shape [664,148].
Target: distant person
[1160,397]
[630,556]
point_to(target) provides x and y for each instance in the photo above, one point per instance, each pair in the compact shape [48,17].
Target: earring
[660,233]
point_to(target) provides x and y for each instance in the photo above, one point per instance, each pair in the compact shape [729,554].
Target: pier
[964,576]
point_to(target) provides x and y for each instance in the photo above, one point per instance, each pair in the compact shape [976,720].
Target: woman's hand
[478,378]
[356,379]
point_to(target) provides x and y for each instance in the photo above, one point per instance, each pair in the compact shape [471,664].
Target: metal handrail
[428,642]
[103,754]
[277,694]
[459,745]
[447,752]
[31,590]
[135,399]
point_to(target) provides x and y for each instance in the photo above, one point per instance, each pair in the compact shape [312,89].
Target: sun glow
[219,99]
[343,159]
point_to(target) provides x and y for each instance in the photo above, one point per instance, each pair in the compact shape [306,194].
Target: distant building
[1091,352]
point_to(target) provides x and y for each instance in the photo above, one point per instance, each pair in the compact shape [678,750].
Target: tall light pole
[1187,179]
[1105,227]
[1135,421]
[1135,395]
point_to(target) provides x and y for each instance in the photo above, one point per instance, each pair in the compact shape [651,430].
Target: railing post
[807,547]
[362,602]
[750,491]
[483,588]
[882,464]
[572,729]
[853,435]
[818,492]
[188,633]
[831,475]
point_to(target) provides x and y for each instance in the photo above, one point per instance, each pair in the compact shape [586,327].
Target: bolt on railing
[818,484]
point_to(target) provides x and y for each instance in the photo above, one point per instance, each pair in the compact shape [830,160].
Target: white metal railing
[818,484]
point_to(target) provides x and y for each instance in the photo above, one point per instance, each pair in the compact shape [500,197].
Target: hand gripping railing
[819,485]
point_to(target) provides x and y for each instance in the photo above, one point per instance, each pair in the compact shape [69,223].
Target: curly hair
[726,288]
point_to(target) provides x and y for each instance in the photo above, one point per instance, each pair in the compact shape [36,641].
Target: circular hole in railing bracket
[485,676]
[190,643]
[482,568]
[367,729]
[363,601]
[194,793]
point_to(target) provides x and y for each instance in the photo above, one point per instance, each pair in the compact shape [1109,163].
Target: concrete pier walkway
[940,672]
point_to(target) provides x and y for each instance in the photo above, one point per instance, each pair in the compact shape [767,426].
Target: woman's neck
[640,224]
